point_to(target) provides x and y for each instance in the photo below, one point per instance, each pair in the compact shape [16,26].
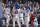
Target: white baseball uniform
[21,16]
[15,18]
[7,12]
[35,23]
[27,17]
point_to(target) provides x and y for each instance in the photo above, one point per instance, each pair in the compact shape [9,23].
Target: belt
[8,14]
[26,16]
[20,17]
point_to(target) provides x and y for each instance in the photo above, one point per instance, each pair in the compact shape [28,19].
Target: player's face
[8,7]
[20,9]
[26,8]
[23,7]
[13,6]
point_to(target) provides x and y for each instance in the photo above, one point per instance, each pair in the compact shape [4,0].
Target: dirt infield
[17,25]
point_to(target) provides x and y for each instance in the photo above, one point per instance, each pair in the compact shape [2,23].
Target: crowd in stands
[34,7]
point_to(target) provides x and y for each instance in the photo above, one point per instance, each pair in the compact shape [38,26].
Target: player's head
[32,15]
[8,7]
[23,6]
[13,6]
[20,9]
[26,8]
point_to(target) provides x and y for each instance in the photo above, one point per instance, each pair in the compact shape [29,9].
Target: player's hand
[34,21]
[10,14]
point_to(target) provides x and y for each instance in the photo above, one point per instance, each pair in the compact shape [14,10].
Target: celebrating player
[20,13]
[7,15]
[15,17]
[27,17]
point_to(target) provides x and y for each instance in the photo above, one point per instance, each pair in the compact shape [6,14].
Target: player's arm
[30,13]
[10,14]
[38,14]
[18,9]
[3,12]
[24,10]
[33,8]
[13,12]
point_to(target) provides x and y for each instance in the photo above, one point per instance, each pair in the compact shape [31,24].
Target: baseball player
[20,13]
[15,17]
[7,15]
[32,20]
[27,17]
[35,22]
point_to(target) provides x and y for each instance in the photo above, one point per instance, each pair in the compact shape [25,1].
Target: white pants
[7,20]
[16,19]
[27,21]
[21,20]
